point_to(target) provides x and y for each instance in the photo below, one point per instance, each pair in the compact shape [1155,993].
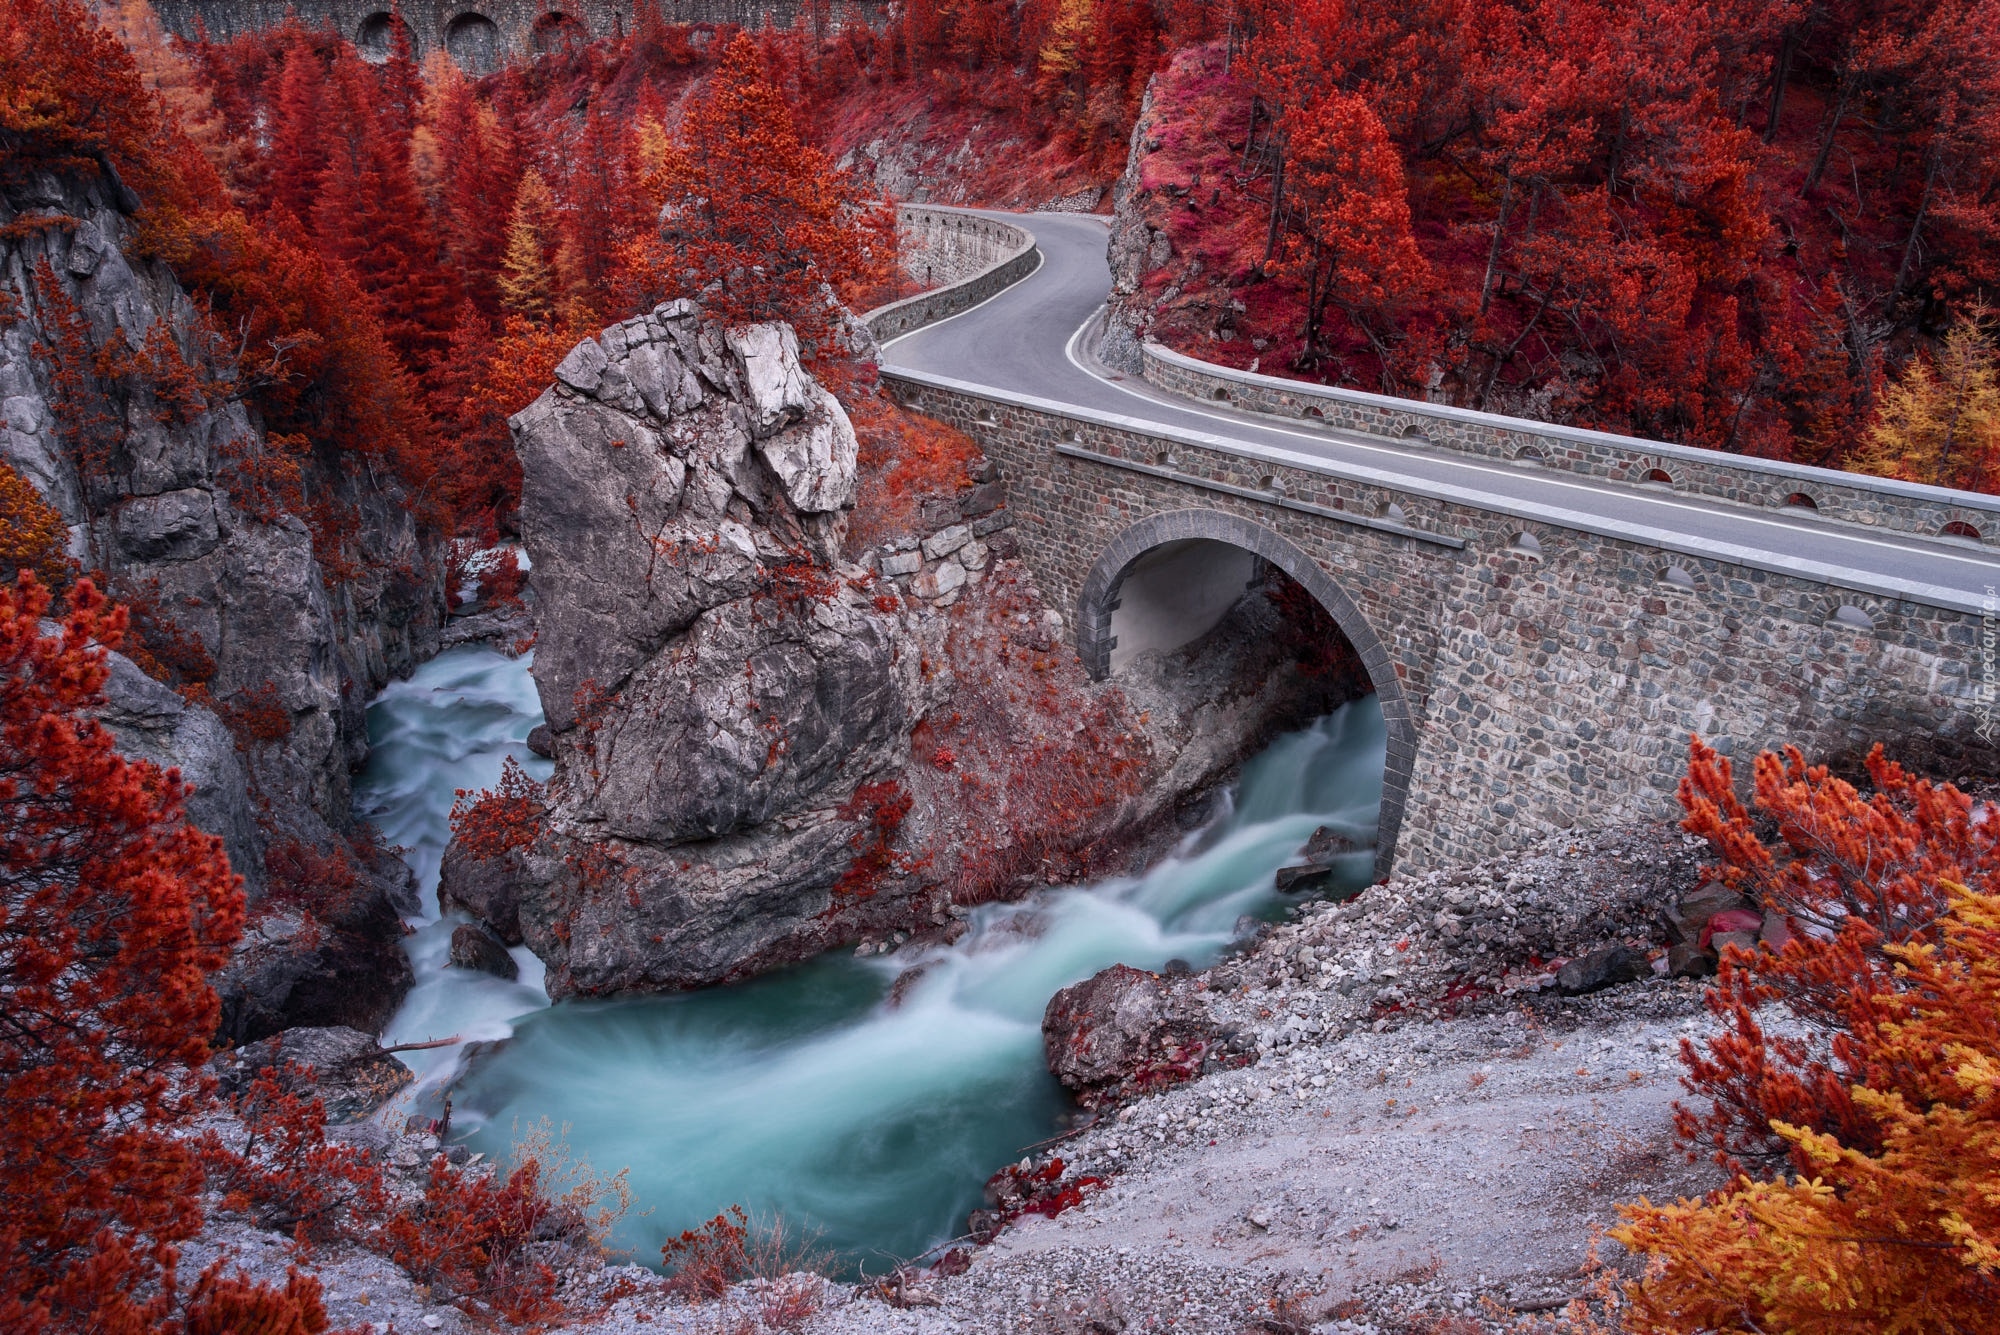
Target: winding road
[1033,343]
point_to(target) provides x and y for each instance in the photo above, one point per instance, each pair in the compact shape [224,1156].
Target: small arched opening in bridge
[474,42]
[1184,591]
[1798,500]
[1656,477]
[375,38]
[556,32]
[1529,457]
[1963,531]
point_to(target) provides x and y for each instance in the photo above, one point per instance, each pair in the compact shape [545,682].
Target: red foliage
[496,821]
[323,883]
[1854,875]
[113,910]
[754,218]
[903,459]
[282,1174]
[467,1238]
[501,582]
[256,714]
[880,808]
[703,1262]
[1626,210]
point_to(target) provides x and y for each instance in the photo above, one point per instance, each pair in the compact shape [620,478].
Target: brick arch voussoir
[1093,631]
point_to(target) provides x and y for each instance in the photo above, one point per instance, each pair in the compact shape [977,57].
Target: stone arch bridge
[482,34]
[1546,613]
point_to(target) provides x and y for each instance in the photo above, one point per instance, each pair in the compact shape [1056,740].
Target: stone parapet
[1850,498]
[971,256]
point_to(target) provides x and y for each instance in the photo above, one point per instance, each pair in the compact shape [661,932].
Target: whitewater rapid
[811,1094]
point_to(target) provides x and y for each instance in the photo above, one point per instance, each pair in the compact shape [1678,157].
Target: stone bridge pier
[1535,678]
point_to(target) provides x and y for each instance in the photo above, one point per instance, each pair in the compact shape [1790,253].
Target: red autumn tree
[370,218]
[1855,876]
[1352,248]
[113,910]
[758,224]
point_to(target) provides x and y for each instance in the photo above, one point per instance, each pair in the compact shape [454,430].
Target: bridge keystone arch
[1098,597]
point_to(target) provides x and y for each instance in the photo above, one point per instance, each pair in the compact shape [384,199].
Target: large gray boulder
[716,682]
[658,482]
[1122,1031]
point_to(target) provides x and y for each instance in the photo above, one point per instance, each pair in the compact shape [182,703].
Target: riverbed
[866,1121]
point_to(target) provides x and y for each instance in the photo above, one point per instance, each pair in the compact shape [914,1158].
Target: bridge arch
[1098,598]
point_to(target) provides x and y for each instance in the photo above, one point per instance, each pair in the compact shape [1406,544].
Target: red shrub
[466,1239]
[113,911]
[1853,874]
[496,821]
[282,1173]
[703,1262]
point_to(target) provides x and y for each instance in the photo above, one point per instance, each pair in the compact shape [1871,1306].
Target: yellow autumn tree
[1940,423]
[1900,1240]
[32,534]
[527,280]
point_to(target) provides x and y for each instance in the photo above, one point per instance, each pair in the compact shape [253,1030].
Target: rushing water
[810,1093]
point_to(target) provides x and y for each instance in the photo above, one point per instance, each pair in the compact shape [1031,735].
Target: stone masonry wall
[1535,692]
[961,257]
[481,34]
[1874,502]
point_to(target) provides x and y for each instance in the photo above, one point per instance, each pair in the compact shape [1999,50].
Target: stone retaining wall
[1767,484]
[1535,677]
[972,256]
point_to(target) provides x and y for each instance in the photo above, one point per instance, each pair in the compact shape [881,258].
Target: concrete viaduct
[482,34]
[1547,613]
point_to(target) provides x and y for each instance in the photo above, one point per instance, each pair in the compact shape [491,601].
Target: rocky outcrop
[344,1068]
[766,745]
[228,597]
[1123,1031]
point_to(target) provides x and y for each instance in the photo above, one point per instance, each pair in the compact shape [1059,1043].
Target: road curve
[1028,342]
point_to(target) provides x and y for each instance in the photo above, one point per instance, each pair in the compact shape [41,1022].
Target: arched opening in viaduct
[474,42]
[375,37]
[1171,581]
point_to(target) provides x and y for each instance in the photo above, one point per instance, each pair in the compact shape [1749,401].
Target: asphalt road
[1032,341]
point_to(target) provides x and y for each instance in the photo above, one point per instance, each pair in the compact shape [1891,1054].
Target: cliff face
[118,406]
[766,746]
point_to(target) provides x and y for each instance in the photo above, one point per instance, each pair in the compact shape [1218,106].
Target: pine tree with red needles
[756,222]
[1854,875]
[113,911]
[371,218]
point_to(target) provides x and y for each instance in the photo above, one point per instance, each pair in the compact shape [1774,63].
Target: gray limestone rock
[1123,1029]
[476,946]
[350,1073]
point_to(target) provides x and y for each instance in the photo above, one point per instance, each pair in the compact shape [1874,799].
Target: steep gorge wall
[276,661]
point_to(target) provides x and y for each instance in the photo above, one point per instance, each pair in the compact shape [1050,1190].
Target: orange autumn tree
[1901,1237]
[756,223]
[113,911]
[1854,875]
